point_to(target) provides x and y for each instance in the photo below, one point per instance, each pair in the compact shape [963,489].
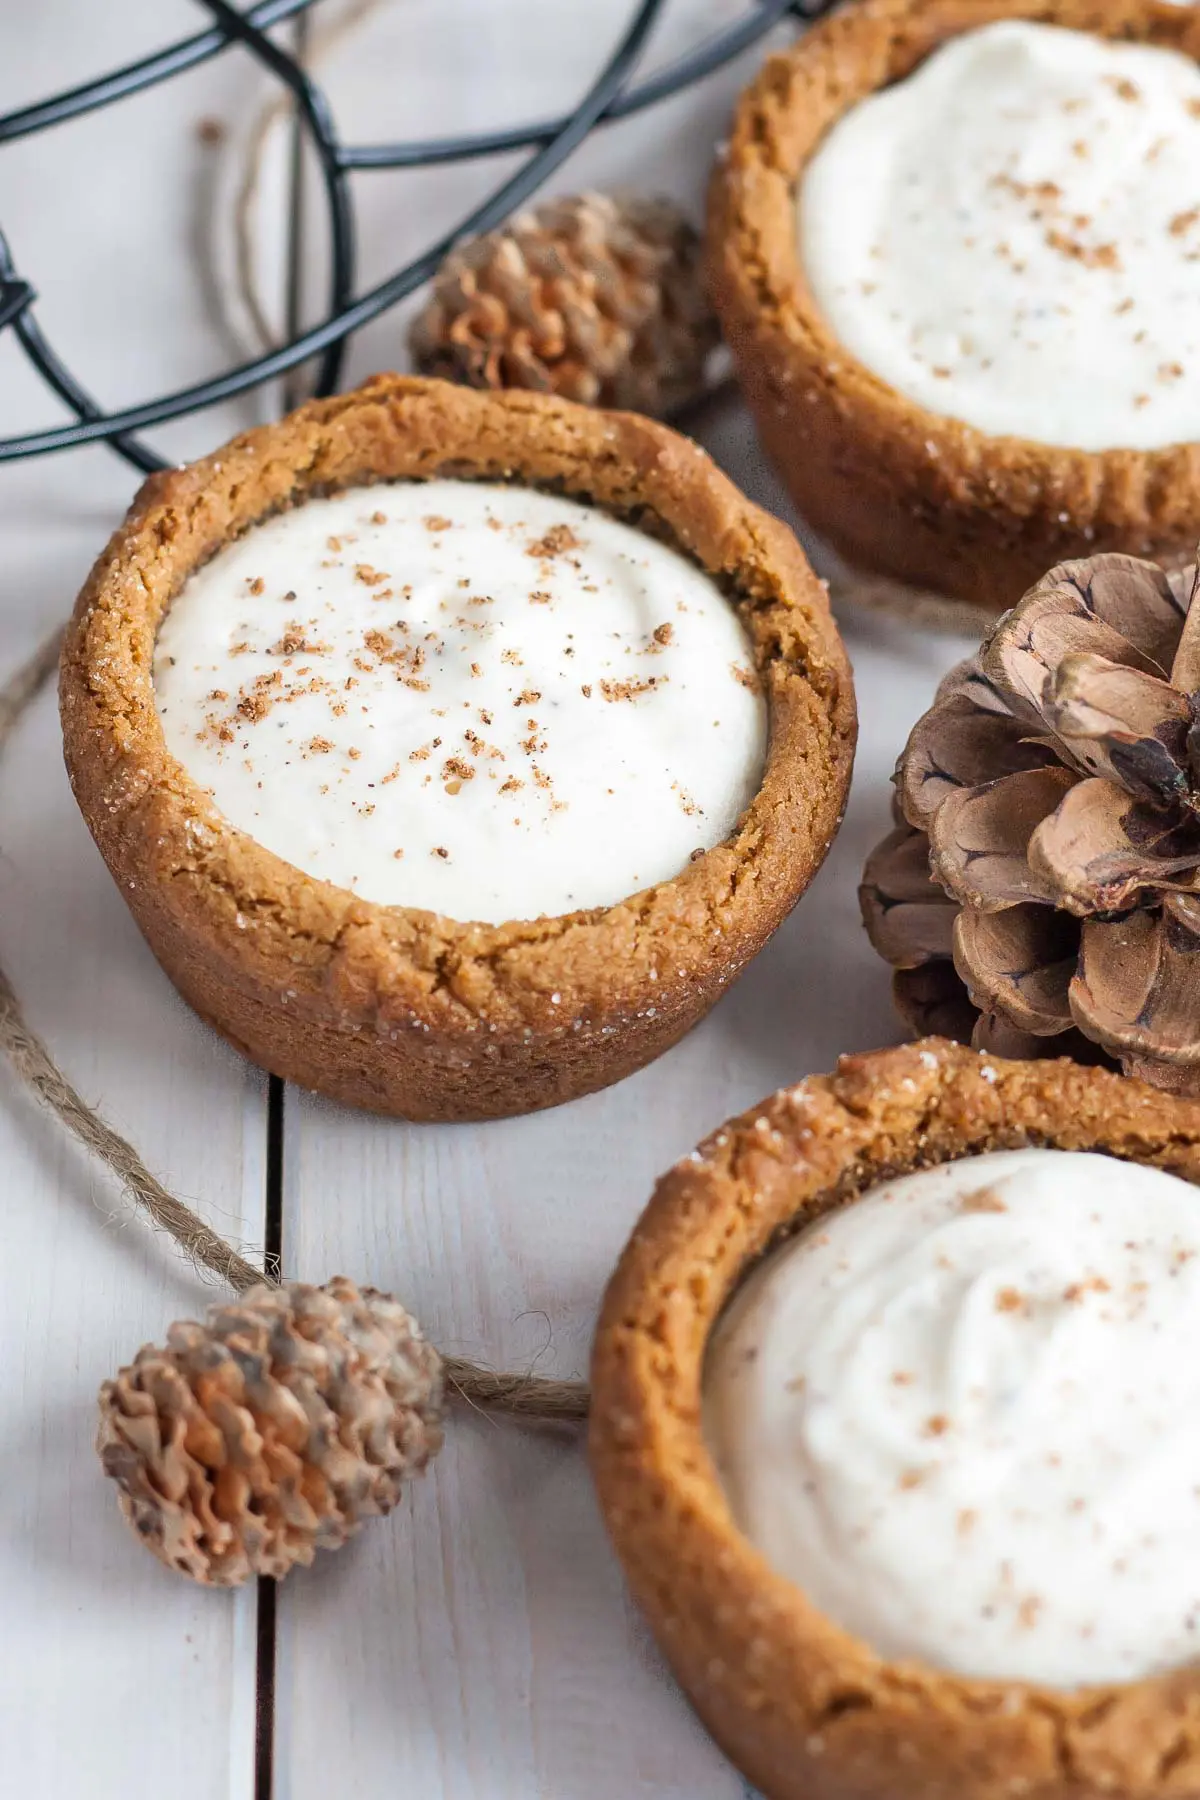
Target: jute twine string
[517,1395]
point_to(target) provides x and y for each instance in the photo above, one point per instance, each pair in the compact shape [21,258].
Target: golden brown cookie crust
[897,490]
[806,1710]
[404,1011]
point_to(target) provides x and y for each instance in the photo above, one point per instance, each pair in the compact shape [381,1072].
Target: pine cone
[594,298]
[272,1431]
[1040,894]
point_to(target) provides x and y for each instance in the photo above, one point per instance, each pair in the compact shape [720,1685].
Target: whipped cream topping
[485,701]
[1011,236]
[963,1414]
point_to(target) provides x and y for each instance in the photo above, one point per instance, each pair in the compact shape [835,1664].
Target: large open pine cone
[593,298]
[1041,892]
[271,1431]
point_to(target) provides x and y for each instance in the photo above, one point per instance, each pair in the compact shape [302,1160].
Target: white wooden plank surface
[116,1678]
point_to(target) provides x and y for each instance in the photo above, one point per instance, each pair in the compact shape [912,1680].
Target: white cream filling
[1011,237]
[485,701]
[963,1414]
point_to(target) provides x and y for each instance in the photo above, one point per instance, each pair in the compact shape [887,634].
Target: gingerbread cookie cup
[405,1011]
[805,1709]
[900,491]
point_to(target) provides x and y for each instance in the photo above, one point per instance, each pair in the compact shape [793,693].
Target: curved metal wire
[611,96]
[317,116]
[136,76]
[705,60]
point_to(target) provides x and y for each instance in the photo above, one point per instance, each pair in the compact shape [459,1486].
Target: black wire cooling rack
[612,95]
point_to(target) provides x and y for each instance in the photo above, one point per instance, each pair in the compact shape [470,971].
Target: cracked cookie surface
[806,1709]
[404,1011]
[899,490]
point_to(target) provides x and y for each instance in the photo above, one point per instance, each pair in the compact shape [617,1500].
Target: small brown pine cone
[594,298]
[1040,894]
[271,1431]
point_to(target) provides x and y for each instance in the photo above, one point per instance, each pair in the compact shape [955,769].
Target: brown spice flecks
[318,746]
[630,690]
[459,768]
[436,522]
[440,850]
[511,656]
[1183,222]
[1123,87]
[334,544]
[983,1200]
[294,643]
[527,697]
[257,585]
[218,694]
[379,518]
[255,705]
[1009,1300]
[911,1478]
[368,576]
[661,636]
[1170,371]
[540,597]
[210,131]
[586,691]
[1095,1284]
[1092,256]
[1024,190]
[407,659]
[937,1426]
[556,542]
[511,786]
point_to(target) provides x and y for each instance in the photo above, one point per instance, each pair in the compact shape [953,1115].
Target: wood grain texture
[114,1675]
[91,1619]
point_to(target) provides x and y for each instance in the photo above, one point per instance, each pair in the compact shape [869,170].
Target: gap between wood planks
[265,1622]
[267,1619]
